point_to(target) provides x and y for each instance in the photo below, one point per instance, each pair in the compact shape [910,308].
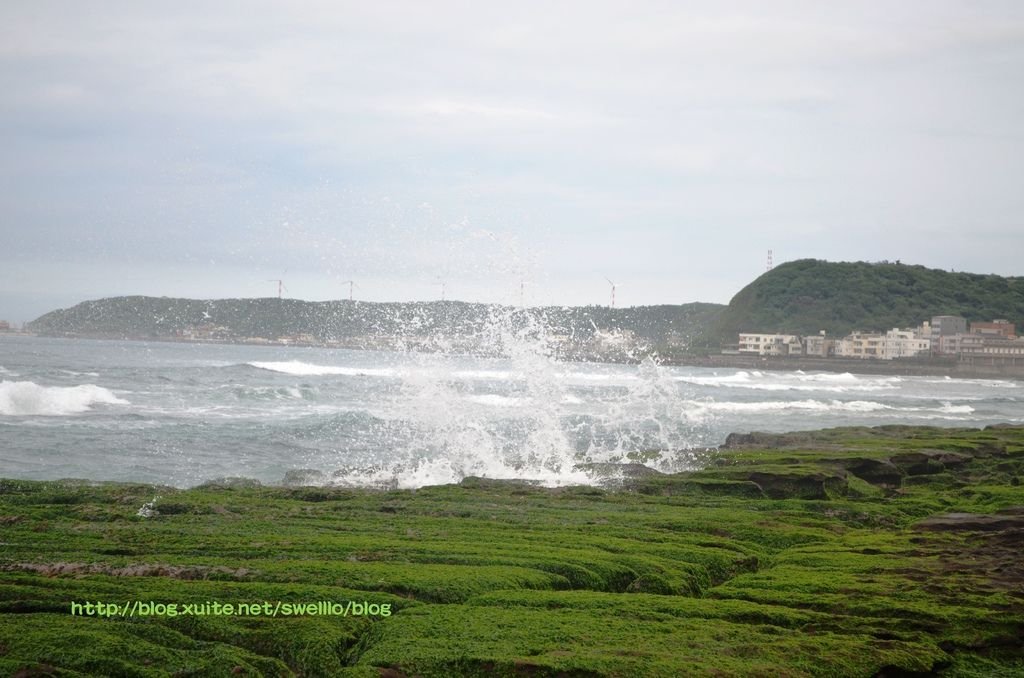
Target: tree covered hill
[801,297]
[158,317]
[809,295]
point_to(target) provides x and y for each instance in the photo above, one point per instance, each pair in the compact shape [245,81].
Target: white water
[21,398]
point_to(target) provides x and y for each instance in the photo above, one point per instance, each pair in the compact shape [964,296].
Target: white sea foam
[26,398]
[302,369]
[796,381]
[780,405]
[596,377]
[697,408]
[495,400]
[495,375]
[950,408]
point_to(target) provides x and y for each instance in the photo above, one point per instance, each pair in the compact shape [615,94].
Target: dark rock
[478,483]
[796,485]
[875,471]
[734,440]
[765,440]
[668,485]
[975,522]
[303,477]
[613,470]
[231,483]
[927,462]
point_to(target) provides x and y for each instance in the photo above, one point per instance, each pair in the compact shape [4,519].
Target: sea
[182,414]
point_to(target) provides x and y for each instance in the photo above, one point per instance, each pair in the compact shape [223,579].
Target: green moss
[773,561]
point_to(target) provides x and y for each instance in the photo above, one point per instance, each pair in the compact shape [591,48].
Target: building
[979,349]
[946,331]
[905,344]
[861,345]
[996,328]
[946,325]
[948,345]
[818,345]
[770,344]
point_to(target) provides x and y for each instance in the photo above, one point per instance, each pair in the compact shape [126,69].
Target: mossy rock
[875,471]
[817,485]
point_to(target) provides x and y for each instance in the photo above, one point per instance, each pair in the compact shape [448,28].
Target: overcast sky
[201,149]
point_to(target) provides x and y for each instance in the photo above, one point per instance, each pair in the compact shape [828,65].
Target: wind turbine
[280,285]
[350,284]
[442,284]
[613,291]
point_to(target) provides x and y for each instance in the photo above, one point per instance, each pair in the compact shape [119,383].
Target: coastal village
[946,336]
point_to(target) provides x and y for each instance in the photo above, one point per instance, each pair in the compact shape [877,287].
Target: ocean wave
[727,382]
[261,393]
[699,407]
[26,398]
[759,381]
[950,408]
[302,369]
[990,383]
[778,405]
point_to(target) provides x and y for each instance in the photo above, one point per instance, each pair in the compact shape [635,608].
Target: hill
[809,295]
[348,321]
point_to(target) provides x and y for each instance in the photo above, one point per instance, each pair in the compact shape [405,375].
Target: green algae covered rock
[846,552]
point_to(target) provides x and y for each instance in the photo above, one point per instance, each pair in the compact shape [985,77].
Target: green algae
[796,555]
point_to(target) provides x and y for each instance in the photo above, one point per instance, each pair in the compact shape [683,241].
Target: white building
[770,344]
[905,344]
[861,345]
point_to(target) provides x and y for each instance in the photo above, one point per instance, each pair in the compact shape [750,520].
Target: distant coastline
[937,367]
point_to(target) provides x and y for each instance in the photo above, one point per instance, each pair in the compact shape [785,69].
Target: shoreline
[932,367]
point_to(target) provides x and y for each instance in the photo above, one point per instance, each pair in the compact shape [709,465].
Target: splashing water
[524,420]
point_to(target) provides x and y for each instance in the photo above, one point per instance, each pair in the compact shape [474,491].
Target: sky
[500,153]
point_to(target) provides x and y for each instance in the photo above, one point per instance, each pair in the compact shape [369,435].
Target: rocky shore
[890,551]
